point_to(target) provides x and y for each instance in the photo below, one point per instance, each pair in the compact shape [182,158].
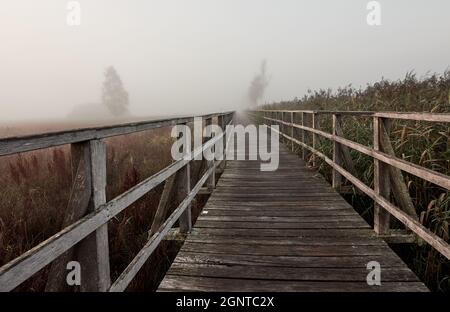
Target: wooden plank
[190,283]
[184,190]
[163,205]
[267,232]
[275,213]
[283,225]
[432,117]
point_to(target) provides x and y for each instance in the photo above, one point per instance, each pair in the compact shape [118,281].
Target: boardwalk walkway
[285,230]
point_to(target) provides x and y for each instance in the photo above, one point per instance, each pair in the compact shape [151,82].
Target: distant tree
[258,85]
[114,95]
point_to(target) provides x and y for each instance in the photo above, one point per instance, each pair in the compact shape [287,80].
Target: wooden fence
[294,127]
[88,212]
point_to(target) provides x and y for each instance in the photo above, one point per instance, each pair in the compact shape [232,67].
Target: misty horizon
[178,58]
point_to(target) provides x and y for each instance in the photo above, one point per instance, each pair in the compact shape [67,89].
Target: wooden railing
[387,167]
[88,212]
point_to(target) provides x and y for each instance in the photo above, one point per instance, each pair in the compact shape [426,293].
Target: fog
[185,57]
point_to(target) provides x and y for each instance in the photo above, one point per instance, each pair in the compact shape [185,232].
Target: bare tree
[258,85]
[114,95]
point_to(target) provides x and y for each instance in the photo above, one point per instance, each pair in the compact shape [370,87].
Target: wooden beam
[381,183]
[167,197]
[344,150]
[133,268]
[14,145]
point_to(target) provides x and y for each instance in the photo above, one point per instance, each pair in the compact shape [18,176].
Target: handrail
[380,157]
[23,267]
[415,116]
[19,144]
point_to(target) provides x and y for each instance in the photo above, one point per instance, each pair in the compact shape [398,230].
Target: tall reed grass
[422,143]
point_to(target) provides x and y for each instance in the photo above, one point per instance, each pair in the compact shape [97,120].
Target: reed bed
[423,143]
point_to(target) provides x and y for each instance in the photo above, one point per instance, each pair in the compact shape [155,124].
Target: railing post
[88,193]
[380,181]
[336,177]
[292,131]
[314,139]
[303,136]
[222,123]
[184,188]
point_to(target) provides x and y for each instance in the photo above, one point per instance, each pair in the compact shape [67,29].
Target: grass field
[35,189]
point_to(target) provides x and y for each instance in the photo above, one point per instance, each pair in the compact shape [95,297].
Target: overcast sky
[189,56]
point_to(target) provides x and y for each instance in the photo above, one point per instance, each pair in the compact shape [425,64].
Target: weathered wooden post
[380,181]
[336,176]
[87,195]
[303,136]
[314,139]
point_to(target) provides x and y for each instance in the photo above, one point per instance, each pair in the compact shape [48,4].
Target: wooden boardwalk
[285,230]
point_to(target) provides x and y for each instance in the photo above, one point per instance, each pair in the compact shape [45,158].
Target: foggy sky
[190,56]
